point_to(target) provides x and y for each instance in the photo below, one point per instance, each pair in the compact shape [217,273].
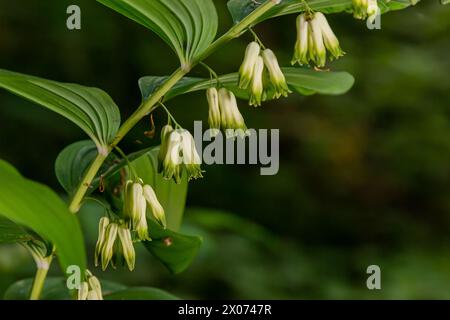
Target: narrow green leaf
[89,108]
[141,293]
[187,26]
[37,207]
[176,251]
[301,80]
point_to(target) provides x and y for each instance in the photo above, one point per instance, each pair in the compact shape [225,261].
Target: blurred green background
[364,178]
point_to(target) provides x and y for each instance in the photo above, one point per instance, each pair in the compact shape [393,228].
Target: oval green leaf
[187,26]
[37,207]
[91,109]
[301,80]
[174,250]
[239,9]
[73,162]
[12,233]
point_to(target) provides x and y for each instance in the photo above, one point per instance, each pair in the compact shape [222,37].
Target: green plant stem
[147,106]
[39,279]
[85,184]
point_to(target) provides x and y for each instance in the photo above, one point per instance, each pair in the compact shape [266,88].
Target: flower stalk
[147,106]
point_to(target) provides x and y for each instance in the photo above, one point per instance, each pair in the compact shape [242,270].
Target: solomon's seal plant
[143,193]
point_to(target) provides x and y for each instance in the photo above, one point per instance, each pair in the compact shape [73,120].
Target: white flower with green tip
[330,40]
[154,205]
[108,247]
[276,76]
[127,247]
[214,111]
[231,119]
[246,69]
[257,85]
[302,45]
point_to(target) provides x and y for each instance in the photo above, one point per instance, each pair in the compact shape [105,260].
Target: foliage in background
[370,169]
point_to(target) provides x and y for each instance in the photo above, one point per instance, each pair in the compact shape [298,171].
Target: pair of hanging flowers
[261,74]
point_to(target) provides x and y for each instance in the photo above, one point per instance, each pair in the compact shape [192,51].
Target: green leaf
[172,196]
[89,108]
[239,9]
[37,207]
[141,293]
[55,288]
[188,26]
[301,80]
[176,251]
[12,233]
[73,162]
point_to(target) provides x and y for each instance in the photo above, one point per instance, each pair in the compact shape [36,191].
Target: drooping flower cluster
[90,289]
[314,38]
[178,154]
[137,198]
[224,113]
[261,74]
[363,9]
[114,245]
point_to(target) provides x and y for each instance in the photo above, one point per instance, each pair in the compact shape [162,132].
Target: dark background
[364,177]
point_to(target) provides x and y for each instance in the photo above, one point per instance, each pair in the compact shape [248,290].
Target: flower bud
[365,8]
[108,246]
[191,158]
[360,8]
[172,158]
[214,111]
[276,75]
[372,9]
[155,206]
[134,205]
[232,119]
[246,70]
[83,291]
[118,259]
[318,53]
[329,38]
[102,225]
[127,247]
[142,227]
[92,295]
[95,286]
[165,132]
[257,86]
[301,46]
